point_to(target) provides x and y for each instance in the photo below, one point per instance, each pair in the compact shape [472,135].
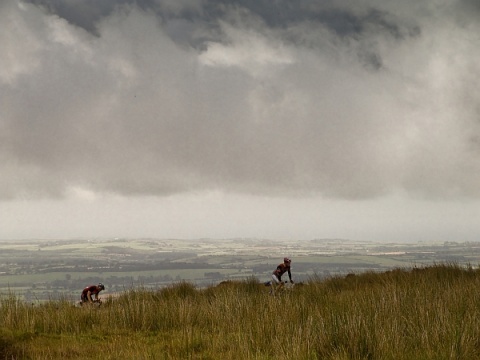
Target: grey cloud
[339,17]
[160,98]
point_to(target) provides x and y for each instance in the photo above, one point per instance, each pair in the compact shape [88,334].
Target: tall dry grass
[427,313]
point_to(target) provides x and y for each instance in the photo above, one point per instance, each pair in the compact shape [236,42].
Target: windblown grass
[426,313]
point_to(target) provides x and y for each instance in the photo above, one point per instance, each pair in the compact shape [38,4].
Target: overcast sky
[242,118]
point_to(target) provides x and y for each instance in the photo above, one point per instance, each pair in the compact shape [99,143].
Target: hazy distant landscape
[38,270]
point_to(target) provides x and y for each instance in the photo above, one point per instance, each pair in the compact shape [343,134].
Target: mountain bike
[275,289]
[95,303]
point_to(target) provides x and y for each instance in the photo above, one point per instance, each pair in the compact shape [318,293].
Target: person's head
[287,261]
[101,286]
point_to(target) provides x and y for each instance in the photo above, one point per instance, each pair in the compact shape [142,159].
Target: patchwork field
[39,270]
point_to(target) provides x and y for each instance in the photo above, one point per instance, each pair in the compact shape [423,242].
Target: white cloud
[248,50]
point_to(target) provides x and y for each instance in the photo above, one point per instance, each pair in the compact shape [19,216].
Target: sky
[281,119]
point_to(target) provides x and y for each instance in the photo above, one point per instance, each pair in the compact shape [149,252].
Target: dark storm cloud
[85,13]
[196,23]
[298,97]
[279,14]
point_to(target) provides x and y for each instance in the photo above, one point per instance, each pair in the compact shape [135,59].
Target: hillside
[423,313]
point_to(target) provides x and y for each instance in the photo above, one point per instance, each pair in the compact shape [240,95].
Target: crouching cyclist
[279,271]
[91,290]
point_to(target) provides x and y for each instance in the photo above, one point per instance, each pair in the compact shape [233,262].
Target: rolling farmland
[38,270]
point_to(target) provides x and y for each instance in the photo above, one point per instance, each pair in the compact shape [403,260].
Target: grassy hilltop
[425,313]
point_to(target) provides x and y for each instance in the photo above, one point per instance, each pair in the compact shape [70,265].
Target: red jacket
[94,290]
[282,269]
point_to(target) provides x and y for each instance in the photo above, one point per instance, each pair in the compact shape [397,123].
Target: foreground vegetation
[426,313]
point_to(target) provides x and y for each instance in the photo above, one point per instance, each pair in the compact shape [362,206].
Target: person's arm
[290,275]
[89,296]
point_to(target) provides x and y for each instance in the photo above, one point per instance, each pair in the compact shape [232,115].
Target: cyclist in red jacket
[91,290]
[279,271]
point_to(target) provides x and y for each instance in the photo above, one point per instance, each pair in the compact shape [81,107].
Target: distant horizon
[282,241]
